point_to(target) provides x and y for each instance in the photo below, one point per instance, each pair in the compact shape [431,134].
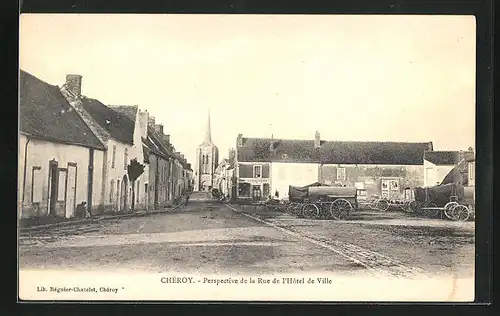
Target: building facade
[438,164]
[60,158]
[119,129]
[207,160]
[267,167]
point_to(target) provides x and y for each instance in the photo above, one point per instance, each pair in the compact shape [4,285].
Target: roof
[45,113]
[459,174]
[129,111]
[442,157]
[117,124]
[335,152]
[156,144]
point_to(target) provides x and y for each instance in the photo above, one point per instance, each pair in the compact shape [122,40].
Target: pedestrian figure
[187,198]
[276,194]
[81,210]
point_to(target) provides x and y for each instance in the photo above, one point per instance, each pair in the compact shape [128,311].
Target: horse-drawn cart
[329,202]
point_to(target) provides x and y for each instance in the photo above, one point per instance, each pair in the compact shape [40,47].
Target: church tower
[207,158]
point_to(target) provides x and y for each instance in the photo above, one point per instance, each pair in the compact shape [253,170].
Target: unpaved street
[210,237]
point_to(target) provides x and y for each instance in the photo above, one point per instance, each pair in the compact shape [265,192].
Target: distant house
[119,128]
[437,164]
[464,172]
[266,166]
[60,158]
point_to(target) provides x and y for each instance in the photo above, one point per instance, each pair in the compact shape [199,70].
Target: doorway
[71,191]
[53,177]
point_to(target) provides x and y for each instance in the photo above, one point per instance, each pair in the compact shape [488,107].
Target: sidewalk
[97,219]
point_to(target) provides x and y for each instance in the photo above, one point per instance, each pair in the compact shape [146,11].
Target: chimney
[166,138]
[239,140]
[151,121]
[317,140]
[143,123]
[429,146]
[74,84]
[159,128]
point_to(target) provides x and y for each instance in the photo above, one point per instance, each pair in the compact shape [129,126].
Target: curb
[95,220]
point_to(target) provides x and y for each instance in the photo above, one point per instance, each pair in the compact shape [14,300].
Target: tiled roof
[459,174]
[129,111]
[157,145]
[117,124]
[45,113]
[334,152]
[442,157]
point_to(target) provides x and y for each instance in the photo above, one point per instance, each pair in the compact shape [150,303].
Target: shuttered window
[37,185]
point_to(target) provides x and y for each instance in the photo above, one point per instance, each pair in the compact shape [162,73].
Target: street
[210,237]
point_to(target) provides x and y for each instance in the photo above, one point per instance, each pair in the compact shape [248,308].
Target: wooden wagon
[453,200]
[330,202]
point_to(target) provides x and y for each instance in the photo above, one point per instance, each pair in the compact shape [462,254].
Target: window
[284,156]
[36,185]
[257,171]
[113,157]
[341,174]
[125,158]
[61,185]
[111,191]
[244,189]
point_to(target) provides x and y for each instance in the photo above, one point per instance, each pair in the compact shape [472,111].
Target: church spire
[208,134]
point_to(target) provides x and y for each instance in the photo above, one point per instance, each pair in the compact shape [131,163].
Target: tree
[134,170]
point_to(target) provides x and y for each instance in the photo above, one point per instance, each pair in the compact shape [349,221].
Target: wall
[434,174]
[295,174]
[40,152]
[370,177]
[245,178]
[471,173]
[117,173]
[246,169]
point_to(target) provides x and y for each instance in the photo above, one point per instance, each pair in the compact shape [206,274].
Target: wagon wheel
[340,209]
[310,210]
[448,209]
[382,205]
[412,207]
[431,213]
[373,204]
[461,213]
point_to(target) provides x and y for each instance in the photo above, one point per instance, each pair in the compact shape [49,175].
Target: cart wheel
[310,210]
[461,213]
[373,204]
[448,209]
[340,209]
[382,205]
[431,213]
[412,207]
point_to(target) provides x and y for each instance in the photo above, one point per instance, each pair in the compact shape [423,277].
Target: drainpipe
[25,162]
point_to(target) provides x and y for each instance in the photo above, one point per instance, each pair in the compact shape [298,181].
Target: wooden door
[71,191]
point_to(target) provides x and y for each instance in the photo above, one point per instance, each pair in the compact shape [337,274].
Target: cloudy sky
[394,78]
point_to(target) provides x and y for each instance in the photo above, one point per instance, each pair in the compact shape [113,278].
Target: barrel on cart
[319,201]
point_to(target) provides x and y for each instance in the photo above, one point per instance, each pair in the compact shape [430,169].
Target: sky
[352,78]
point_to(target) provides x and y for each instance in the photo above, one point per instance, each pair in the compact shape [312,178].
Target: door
[71,192]
[53,177]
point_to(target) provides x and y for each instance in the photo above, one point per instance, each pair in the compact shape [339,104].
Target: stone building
[269,166]
[119,129]
[207,160]
[60,158]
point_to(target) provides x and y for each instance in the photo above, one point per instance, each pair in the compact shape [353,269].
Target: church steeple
[208,133]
